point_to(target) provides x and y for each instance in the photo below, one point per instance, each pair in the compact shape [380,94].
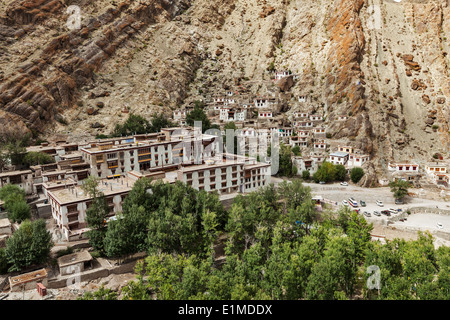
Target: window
[111,155]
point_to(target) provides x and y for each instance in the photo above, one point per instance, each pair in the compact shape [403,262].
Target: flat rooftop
[106,186]
[77,257]
[27,277]
[339,154]
[15,173]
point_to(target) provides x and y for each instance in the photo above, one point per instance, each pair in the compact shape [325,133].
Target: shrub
[306,175]
[356,174]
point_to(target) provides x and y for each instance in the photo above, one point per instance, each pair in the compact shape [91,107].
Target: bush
[15,203]
[306,175]
[3,261]
[18,210]
[296,151]
[341,172]
[356,174]
[10,189]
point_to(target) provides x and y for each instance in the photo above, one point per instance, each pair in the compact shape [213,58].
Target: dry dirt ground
[113,282]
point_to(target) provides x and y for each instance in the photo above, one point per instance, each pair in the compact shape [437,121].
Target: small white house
[338,158]
[357,160]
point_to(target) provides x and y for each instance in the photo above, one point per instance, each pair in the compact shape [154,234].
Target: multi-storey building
[69,203]
[227,174]
[140,153]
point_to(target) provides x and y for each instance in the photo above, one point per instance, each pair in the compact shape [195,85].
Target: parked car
[363,203]
[321,182]
[344,183]
[439,225]
[377,213]
[386,212]
[367,214]
[344,202]
[398,201]
[379,203]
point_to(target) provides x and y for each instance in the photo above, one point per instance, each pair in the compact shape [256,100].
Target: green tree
[334,272]
[160,121]
[135,124]
[399,188]
[15,146]
[306,175]
[10,189]
[15,203]
[96,214]
[285,165]
[127,234]
[326,172]
[29,245]
[18,209]
[341,173]
[197,114]
[356,174]
[175,223]
[36,158]
[296,151]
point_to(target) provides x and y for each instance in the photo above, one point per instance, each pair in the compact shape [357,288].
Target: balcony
[72,214]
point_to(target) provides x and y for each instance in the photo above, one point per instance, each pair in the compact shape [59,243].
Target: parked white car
[344,184]
[439,225]
[379,203]
[344,202]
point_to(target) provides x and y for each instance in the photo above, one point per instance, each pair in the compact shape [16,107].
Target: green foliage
[326,172]
[18,209]
[197,114]
[160,121]
[100,294]
[271,256]
[285,161]
[9,190]
[3,261]
[341,172]
[29,245]
[135,124]
[399,188]
[15,203]
[296,151]
[356,174]
[165,217]
[14,145]
[35,158]
[96,214]
[306,175]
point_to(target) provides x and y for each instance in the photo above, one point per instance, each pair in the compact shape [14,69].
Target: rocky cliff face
[384,64]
